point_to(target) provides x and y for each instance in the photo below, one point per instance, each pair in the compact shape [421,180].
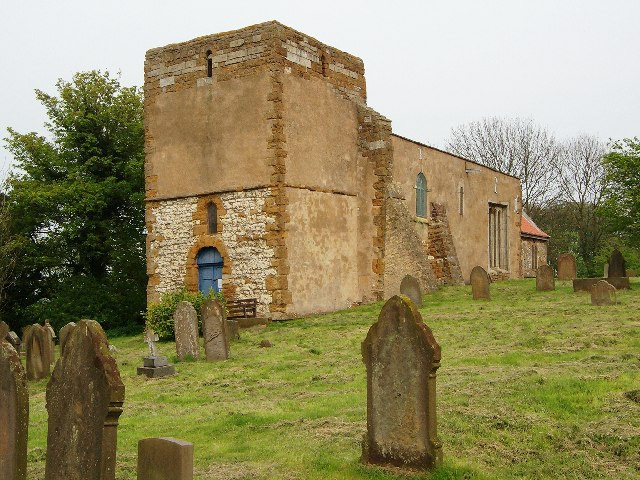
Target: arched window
[209,64]
[212,214]
[210,265]
[421,195]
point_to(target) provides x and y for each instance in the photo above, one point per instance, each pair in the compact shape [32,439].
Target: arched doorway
[210,264]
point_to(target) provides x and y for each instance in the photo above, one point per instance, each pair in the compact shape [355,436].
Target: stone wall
[528,264]
[441,247]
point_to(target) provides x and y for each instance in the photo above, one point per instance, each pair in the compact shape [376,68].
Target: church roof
[529,228]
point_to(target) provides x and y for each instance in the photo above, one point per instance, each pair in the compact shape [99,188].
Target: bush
[159,316]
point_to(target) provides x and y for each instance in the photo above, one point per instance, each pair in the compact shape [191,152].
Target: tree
[8,245]
[621,207]
[516,147]
[77,204]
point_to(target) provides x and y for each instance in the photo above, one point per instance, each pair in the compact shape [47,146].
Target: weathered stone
[214,331]
[401,356]
[50,344]
[603,293]
[567,269]
[37,345]
[84,401]
[544,278]
[266,344]
[165,459]
[606,270]
[617,266]
[234,329]
[410,286]
[157,372]
[14,340]
[64,334]
[154,365]
[185,321]
[585,284]
[480,284]
[14,414]
[4,330]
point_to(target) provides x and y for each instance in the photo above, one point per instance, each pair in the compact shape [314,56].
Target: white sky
[571,65]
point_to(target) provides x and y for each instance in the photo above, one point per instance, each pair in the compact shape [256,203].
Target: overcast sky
[573,66]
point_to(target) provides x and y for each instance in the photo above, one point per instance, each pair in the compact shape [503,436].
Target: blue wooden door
[210,264]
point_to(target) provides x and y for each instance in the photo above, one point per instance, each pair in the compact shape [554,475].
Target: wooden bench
[243,308]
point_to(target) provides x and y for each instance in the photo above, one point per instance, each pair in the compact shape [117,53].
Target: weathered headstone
[234,329]
[401,356]
[154,365]
[36,342]
[410,286]
[165,459]
[185,321]
[50,343]
[617,267]
[603,293]
[567,269]
[214,331]
[64,335]
[544,278]
[84,401]
[606,270]
[14,340]
[4,330]
[14,414]
[480,284]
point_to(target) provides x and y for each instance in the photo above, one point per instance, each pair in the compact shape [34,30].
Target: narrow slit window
[209,64]
[461,201]
[421,195]
[213,218]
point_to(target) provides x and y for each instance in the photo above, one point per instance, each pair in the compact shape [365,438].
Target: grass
[532,385]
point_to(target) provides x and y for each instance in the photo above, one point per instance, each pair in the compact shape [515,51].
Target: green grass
[532,385]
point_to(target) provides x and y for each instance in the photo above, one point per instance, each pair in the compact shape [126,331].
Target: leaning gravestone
[14,414]
[165,459]
[401,356]
[214,331]
[185,324]
[544,278]
[410,286]
[567,269]
[616,264]
[480,284]
[64,335]
[84,401]
[603,293]
[36,340]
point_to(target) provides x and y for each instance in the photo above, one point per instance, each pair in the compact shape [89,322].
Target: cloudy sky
[573,66]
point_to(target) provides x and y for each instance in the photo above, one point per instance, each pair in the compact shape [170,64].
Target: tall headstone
[14,414]
[64,335]
[617,267]
[84,401]
[544,278]
[36,340]
[50,343]
[567,269]
[603,293]
[214,331]
[480,284]
[165,459]
[401,356]
[606,270]
[185,322]
[410,286]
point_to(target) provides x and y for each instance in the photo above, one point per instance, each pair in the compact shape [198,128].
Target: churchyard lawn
[532,385]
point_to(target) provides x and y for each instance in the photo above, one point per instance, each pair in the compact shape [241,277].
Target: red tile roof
[529,227]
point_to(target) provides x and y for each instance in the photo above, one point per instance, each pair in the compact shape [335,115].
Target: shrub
[159,316]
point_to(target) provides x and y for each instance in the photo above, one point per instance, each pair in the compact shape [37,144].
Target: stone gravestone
[36,340]
[154,365]
[544,278]
[616,264]
[603,293]
[14,340]
[214,331]
[51,342]
[401,356]
[233,329]
[4,331]
[606,270]
[14,414]
[410,286]
[64,335]
[185,324]
[567,269]
[165,459]
[84,401]
[480,284]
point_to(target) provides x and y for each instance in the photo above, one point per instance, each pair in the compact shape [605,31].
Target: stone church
[269,177]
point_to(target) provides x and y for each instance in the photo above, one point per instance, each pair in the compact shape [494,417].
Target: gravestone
[36,343]
[214,331]
[401,357]
[51,343]
[64,335]
[410,286]
[233,329]
[14,340]
[84,401]
[616,264]
[567,269]
[185,324]
[480,284]
[4,330]
[603,293]
[154,365]
[544,278]
[606,270]
[165,459]
[14,414]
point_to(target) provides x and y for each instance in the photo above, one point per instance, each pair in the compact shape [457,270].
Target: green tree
[77,206]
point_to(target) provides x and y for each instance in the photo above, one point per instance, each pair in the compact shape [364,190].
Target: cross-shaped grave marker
[151,338]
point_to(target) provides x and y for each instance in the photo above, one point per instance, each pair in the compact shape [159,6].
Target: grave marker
[567,269]
[50,343]
[185,322]
[544,278]
[165,459]
[214,331]
[36,341]
[64,334]
[410,286]
[603,293]
[617,266]
[154,365]
[480,284]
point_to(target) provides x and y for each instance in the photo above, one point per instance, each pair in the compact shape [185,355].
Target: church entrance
[210,264]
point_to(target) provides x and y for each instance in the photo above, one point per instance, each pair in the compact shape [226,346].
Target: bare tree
[516,147]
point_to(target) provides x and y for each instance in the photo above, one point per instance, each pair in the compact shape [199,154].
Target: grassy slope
[532,385]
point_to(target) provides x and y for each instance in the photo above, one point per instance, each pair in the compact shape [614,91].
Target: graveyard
[531,384]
